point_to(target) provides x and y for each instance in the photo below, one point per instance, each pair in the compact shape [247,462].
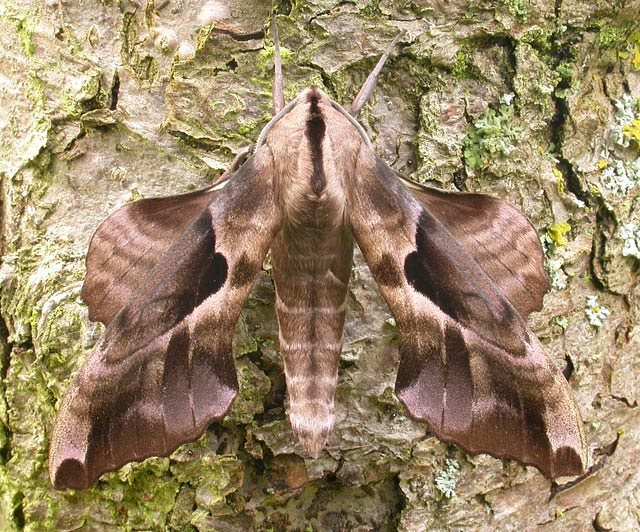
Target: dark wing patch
[441,270]
[499,237]
[178,287]
[130,242]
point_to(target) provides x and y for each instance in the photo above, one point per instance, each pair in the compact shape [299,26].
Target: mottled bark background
[536,101]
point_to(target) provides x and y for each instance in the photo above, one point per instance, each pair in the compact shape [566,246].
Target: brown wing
[500,238]
[164,369]
[130,242]
[469,365]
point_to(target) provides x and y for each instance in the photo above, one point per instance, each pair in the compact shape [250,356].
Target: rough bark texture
[532,100]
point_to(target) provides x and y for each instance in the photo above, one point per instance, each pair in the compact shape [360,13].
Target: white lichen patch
[447,479]
[630,235]
[625,115]
[596,313]
[507,99]
[554,264]
[619,176]
[578,202]
[556,273]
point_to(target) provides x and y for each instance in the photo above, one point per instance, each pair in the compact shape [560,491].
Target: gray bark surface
[535,101]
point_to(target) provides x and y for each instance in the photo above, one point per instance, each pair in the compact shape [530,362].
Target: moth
[169,278]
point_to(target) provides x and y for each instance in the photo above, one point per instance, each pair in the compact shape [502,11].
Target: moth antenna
[370,83]
[278,81]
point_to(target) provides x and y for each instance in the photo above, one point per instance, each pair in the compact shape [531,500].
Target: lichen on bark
[531,100]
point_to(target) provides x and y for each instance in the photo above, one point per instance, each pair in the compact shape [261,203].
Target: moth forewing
[469,365]
[164,369]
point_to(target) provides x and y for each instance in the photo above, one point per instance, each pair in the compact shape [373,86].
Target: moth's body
[312,256]
[460,273]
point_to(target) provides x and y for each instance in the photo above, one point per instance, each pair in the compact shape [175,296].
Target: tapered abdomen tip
[312,423]
[70,474]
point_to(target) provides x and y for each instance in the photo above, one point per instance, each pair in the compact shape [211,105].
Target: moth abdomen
[310,345]
[311,270]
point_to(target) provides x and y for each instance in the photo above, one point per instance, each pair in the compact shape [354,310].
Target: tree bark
[535,101]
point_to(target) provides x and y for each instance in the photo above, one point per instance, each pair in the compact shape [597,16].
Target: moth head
[309,103]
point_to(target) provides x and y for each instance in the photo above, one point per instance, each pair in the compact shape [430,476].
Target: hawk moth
[169,277]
